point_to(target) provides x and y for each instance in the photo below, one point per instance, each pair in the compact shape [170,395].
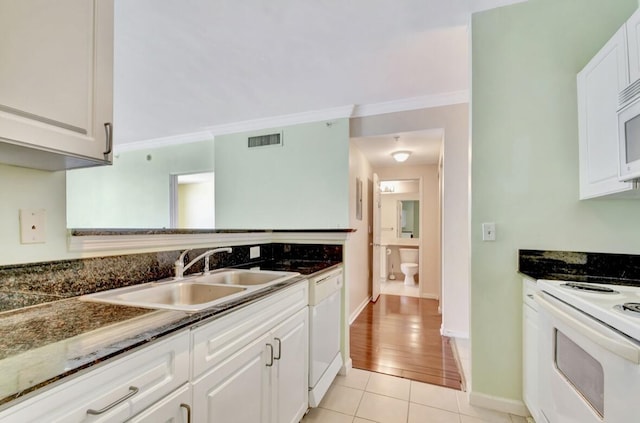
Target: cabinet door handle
[270,363]
[188,408]
[108,130]
[132,391]
[279,349]
[530,296]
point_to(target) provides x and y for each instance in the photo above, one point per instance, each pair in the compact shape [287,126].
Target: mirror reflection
[400,212]
[409,219]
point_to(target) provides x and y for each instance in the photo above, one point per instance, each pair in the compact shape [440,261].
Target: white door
[376,253]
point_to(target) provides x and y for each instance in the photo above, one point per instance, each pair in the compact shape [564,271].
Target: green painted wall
[525,165]
[302,184]
[134,191]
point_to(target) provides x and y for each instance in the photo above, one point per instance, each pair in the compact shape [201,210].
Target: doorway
[400,223]
[192,201]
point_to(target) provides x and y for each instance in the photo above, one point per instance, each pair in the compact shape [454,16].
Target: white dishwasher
[325,359]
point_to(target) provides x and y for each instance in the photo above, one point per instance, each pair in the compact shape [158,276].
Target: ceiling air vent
[265,140]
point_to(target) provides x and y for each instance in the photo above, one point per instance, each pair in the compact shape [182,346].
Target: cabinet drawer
[215,341]
[142,377]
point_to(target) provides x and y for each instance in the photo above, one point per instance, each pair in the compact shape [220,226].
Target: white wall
[26,188]
[301,184]
[196,205]
[454,120]
[133,192]
[357,249]
[525,165]
[430,254]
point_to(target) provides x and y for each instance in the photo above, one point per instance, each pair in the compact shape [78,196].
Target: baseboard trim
[358,310]
[505,405]
[430,296]
[453,333]
[346,367]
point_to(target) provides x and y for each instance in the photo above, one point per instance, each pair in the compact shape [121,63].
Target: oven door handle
[620,348]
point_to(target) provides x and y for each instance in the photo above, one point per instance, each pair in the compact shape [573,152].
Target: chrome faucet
[180,267]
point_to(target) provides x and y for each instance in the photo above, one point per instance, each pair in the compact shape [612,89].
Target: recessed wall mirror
[408,219]
[400,212]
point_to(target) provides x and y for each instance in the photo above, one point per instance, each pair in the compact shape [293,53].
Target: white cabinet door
[633,40]
[598,86]
[237,391]
[56,78]
[174,408]
[291,382]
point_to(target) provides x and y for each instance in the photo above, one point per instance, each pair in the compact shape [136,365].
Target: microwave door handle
[620,348]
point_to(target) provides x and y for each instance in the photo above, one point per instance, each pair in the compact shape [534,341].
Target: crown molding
[349,111]
[413,103]
[164,141]
[283,120]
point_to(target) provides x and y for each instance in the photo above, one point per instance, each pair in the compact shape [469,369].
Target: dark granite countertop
[44,343]
[165,231]
[604,268]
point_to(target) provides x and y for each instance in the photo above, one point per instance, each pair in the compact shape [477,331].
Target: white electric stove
[589,352]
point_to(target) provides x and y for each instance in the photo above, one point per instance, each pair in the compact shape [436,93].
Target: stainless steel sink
[244,277]
[193,293]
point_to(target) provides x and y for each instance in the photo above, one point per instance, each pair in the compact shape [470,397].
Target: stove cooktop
[603,302]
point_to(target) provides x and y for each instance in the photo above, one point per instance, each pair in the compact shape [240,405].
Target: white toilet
[409,264]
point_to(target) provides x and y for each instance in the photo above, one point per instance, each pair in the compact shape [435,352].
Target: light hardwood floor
[400,336]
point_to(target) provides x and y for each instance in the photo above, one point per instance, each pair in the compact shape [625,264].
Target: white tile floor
[366,397]
[397,287]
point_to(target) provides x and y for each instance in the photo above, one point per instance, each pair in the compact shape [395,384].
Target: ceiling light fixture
[400,156]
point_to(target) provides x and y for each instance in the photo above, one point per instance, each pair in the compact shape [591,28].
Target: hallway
[400,336]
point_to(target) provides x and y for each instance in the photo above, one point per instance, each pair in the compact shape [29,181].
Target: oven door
[588,371]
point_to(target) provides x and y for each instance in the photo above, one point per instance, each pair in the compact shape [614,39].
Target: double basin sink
[192,293]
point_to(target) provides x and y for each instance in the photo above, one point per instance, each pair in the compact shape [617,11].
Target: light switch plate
[489,231]
[254,252]
[32,226]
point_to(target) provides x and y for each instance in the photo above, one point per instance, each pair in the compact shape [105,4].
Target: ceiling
[186,66]
[423,145]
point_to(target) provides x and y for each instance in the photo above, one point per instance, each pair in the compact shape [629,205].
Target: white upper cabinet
[633,39]
[56,83]
[598,86]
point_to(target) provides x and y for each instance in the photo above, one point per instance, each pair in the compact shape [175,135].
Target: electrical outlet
[32,226]
[254,252]
[489,231]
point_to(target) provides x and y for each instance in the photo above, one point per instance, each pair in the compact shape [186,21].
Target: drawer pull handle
[108,129]
[188,408]
[132,391]
[279,349]
[270,363]
[530,296]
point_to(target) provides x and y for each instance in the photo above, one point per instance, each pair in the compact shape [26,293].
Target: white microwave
[629,141]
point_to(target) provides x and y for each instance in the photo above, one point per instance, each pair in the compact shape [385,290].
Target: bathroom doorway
[400,227]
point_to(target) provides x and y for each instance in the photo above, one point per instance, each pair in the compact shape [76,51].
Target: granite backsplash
[580,266]
[35,283]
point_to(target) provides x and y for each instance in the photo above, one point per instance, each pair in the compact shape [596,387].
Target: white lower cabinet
[114,392]
[255,371]
[530,350]
[290,384]
[250,366]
